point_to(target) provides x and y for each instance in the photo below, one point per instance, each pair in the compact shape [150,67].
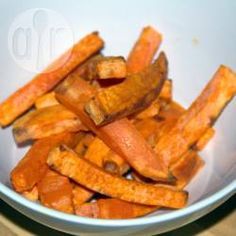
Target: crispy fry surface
[70,164]
[137,92]
[45,122]
[33,165]
[121,136]
[24,98]
[198,118]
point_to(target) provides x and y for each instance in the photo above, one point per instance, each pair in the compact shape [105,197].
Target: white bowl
[198,37]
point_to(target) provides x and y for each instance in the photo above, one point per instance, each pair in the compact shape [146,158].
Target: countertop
[221,221]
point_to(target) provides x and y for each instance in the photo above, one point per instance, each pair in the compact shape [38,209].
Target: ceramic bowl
[198,37]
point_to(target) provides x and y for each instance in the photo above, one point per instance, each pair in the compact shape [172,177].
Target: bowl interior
[194,53]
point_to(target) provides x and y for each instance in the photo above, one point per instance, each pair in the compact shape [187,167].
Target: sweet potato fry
[55,191]
[121,136]
[144,49]
[83,144]
[45,122]
[186,168]
[24,98]
[68,163]
[46,100]
[205,138]
[201,115]
[136,93]
[171,113]
[81,195]
[111,67]
[33,165]
[87,70]
[101,155]
[149,112]
[32,195]
[113,209]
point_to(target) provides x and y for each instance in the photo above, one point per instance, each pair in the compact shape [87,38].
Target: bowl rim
[228,190]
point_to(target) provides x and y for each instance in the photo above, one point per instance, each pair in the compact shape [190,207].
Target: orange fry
[136,93]
[144,49]
[121,136]
[68,163]
[113,209]
[33,165]
[83,144]
[45,122]
[24,98]
[186,168]
[101,155]
[111,67]
[46,100]
[55,191]
[201,115]
[203,141]
[81,195]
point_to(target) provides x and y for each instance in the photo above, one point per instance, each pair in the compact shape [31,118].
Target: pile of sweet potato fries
[109,141]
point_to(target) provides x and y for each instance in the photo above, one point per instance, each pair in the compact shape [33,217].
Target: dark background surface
[194,228]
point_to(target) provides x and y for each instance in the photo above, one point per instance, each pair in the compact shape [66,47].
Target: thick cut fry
[203,141]
[68,163]
[101,155]
[136,93]
[32,195]
[144,49]
[81,195]
[24,98]
[111,67]
[121,136]
[198,118]
[171,113]
[33,165]
[55,191]
[113,209]
[163,99]
[46,122]
[88,69]
[46,100]
[186,168]
[83,144]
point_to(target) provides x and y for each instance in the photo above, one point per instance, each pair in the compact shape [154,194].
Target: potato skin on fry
[68,163]
[24,98]
[32,167]
[113,209]
[137,92]
[198,118]
[45,122]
